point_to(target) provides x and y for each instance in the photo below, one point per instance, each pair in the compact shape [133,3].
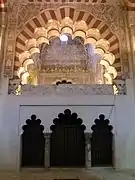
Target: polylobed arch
[76,16]
[74,30]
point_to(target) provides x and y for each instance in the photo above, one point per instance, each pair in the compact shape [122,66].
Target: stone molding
[65,89]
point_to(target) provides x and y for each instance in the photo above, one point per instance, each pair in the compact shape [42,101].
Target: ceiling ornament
[66,26]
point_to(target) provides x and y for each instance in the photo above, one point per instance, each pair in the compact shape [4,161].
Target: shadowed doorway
[102,143]
[33,144]
[67,141]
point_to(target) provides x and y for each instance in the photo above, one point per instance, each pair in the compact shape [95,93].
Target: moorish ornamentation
[65,90]
[26,11]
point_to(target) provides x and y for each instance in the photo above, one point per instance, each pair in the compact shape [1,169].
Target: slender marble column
[47,150]
[87,151]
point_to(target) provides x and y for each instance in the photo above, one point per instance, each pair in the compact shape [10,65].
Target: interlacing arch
[76,23]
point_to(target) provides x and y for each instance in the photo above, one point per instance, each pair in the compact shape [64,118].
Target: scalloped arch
[59,14]
[54,29]
[67,118]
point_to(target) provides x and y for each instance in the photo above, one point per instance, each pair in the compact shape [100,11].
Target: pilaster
[131,31]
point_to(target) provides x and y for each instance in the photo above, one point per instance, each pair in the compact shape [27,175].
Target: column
[87,151]
[47,150]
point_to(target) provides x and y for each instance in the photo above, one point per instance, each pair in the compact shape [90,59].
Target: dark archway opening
[67,148]
[33,143]
[63,82]
[102,143]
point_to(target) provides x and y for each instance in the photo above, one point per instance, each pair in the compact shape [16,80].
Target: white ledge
[67,89]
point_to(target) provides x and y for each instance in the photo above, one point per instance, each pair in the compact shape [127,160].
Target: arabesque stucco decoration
[25,17]
[67,26]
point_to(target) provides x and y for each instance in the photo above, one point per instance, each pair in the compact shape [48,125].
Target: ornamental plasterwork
[11,36]
[124,42]
[106,13]
[25,11]
[65,90]
[131,21]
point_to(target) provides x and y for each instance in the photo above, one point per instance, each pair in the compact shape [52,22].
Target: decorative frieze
[64,89]
[105,12]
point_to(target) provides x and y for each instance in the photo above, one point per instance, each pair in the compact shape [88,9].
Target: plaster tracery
[85,46]
[106,12]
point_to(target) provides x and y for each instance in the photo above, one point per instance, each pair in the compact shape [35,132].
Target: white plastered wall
[15,110]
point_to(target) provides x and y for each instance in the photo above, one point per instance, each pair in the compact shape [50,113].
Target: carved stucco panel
[11,37]
[123,38]
[26,12]
[21,12]
[105,13]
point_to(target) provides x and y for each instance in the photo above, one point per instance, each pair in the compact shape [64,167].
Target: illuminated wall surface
[99,50]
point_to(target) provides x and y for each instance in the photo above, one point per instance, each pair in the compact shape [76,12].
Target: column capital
[47,135]
[87,137]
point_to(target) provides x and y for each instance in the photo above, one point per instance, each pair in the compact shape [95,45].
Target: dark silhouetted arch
[101,143]
[63,82]
[33,143]
[67,141]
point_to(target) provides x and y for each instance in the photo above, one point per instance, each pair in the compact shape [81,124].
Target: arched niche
[67,148]
[102,143]
[32,143]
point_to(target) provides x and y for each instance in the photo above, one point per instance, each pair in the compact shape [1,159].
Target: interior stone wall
[14,110]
